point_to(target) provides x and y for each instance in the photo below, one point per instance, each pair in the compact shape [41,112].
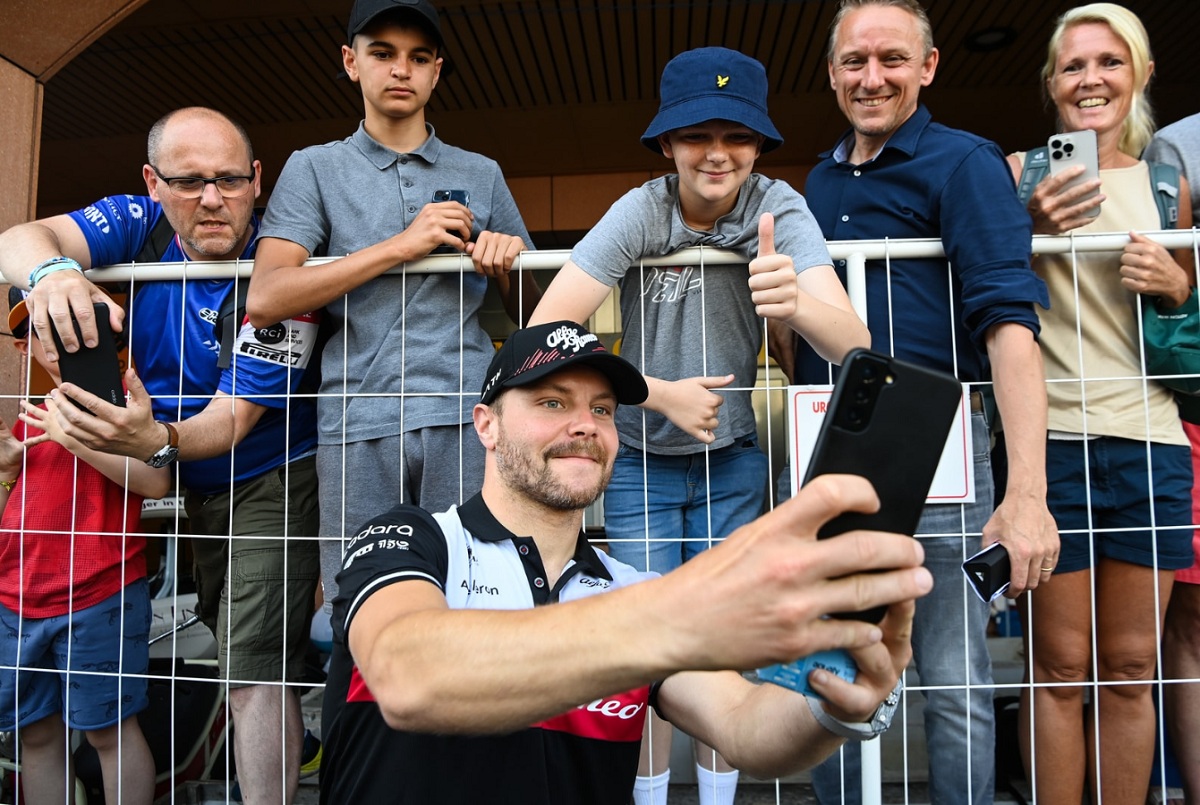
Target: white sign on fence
[955,478]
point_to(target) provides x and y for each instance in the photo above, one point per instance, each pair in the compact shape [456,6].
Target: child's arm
[137,477]
[281,286]
[814,304]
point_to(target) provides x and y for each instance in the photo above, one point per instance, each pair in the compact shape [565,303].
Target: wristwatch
[168,452]
[861,731]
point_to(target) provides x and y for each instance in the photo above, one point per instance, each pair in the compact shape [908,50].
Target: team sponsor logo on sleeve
[393,529]
[613,718]
[290,343]
[95,217]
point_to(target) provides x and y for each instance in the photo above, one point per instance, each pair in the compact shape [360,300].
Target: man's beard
[520,473]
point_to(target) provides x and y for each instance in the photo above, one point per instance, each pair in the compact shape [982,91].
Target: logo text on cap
[568,338]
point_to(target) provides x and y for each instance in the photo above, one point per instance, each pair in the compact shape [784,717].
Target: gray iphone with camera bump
[1072,148]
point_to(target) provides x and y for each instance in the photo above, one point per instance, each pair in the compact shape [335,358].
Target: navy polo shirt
[930,181]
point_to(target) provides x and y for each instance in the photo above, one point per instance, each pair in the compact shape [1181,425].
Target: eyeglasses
[189,187]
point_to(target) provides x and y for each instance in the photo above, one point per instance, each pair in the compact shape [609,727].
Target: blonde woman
[1118,464]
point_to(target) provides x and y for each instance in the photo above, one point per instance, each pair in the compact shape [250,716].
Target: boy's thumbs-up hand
[772,276]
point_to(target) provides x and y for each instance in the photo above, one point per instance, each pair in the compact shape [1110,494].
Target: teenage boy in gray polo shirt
[399,372]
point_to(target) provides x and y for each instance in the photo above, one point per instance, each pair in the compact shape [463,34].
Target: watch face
[163,457]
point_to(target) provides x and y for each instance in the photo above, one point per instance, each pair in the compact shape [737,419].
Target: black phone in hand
[94,369]
[887,421]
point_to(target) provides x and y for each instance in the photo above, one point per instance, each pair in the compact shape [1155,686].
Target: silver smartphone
[1073,148]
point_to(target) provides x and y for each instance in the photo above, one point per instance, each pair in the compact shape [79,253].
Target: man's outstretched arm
[133,431]
[755,599]
[61,293]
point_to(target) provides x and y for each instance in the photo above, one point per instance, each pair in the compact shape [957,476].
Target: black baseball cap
[534,352]
[364,11]
[18,313]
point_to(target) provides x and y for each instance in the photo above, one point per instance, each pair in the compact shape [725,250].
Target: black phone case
[989,571]
[96,369]
[887,421]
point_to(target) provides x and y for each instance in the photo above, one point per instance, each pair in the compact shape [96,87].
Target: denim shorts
[109,656]
[1117,524]
[660,511]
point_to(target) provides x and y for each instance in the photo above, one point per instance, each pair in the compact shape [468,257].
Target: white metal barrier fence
[855,254]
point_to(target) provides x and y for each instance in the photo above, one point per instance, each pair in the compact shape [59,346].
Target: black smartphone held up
[887,421]
[95,369]
[461,196]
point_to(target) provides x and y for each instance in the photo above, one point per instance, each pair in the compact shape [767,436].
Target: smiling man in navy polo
[897,174]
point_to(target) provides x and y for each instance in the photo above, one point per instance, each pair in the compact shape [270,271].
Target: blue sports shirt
[174,345]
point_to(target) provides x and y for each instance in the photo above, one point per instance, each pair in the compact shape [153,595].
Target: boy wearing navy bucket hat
[695,330]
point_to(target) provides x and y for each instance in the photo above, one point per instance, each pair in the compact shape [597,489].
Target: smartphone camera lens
[1057,155]
[1069,148]
[1056,144]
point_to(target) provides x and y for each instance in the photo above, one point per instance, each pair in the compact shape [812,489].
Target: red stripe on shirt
[613,718]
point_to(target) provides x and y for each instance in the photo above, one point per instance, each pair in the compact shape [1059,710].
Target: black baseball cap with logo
[364,11]
[534,352]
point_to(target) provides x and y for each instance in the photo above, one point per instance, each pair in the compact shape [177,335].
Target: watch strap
[172,435]
[168,452]
[880,720]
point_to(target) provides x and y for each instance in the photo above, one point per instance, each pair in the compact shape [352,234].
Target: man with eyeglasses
[245,447]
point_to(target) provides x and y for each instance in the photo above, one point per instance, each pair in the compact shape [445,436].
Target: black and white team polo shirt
[588,755]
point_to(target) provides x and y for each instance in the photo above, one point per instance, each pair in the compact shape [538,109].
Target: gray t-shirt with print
[408,351]
[692,319]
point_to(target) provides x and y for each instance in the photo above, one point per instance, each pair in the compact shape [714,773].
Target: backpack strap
[156,245]
[1035,168]
[229,321]
[158,242]
[1164,180]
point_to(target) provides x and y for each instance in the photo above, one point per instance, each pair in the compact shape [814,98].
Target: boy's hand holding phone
[47,421]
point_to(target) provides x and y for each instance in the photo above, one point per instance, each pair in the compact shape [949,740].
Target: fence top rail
[555,258]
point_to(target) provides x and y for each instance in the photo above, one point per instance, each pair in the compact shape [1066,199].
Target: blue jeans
[949,648]
[662,512]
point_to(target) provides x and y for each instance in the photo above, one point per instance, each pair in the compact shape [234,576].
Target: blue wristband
[50,266]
